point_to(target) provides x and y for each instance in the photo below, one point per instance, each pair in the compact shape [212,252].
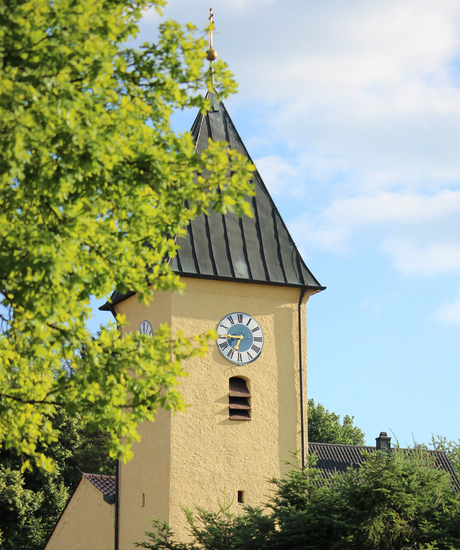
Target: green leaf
[90,170]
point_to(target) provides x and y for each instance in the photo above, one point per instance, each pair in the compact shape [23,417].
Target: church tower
[246,279]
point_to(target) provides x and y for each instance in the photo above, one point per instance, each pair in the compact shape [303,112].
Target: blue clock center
[241,334]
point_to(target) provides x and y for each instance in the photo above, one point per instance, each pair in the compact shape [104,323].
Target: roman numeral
[240,317]
[255,348]
[247,324]
[230,353]
[249,355]
[240,358]
[231,320]
[255,329]
[223,346]
[223,326]
[258,339]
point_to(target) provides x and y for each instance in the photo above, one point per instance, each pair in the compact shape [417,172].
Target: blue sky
[351,111]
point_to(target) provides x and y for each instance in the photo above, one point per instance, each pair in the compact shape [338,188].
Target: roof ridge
[100,476]
[341,445]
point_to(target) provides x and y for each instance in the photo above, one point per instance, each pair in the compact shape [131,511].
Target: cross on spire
[211,54]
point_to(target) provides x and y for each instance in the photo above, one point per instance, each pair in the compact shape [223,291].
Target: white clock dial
[145,328]
[240,338]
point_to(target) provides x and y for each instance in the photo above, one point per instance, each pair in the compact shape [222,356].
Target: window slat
[240,415]
[239,403]
[238,388]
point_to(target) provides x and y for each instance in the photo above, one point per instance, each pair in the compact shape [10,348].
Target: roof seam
[278,245]
[259,235]
[211,251]
[192,247]
[245,248]
[224,221]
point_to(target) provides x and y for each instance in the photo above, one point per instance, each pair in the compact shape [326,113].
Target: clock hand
[235,337]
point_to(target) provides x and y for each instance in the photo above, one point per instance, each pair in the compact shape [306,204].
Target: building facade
[245,399]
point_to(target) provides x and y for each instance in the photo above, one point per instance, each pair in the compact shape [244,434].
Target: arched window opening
[239,399]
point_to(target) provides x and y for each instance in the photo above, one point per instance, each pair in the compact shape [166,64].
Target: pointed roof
[258,249]
[225,247]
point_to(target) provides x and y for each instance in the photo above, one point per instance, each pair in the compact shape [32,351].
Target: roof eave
[108,306]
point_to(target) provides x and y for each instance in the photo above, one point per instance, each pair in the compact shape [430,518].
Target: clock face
[145,328]
[240,338]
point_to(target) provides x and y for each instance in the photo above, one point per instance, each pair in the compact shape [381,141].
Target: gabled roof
[257,250]
[105,483]
[332,458]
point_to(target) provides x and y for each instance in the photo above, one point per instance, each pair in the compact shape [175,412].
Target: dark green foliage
[18,521]
[451,448]
[32,501]
[396,501]
[325,427]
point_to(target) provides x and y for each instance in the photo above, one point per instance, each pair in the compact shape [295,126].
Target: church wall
[144,481]
[200,457]
[212,457]
[87,522]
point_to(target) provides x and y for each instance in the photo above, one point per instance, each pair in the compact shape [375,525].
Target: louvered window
[239,399]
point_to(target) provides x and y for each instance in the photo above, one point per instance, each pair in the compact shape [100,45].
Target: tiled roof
[258,249]
[105,484]
[332,458]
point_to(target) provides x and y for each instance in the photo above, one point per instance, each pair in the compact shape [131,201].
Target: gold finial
[211,54]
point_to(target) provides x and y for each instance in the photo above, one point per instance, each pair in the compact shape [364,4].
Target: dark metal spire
[258,249]
[251,250]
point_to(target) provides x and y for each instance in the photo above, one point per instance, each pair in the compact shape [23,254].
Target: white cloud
[280,177]
[419,233]
[449,312]
[344,218]
[363,98]
[417,257]
[366,82]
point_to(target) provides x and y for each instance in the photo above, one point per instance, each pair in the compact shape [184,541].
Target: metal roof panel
[258,249]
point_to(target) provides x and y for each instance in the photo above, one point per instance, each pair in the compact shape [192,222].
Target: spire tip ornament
[211,54]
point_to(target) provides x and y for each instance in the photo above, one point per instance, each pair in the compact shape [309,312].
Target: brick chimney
[383,442]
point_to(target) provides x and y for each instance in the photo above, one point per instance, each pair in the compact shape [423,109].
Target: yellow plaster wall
[87,522]
[144,481]
[210,458]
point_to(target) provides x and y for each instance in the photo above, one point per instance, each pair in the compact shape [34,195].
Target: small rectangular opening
[239,397]
[241,497]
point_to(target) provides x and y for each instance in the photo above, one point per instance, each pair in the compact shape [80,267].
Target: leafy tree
[30,507]
[93,183]
[32,501]
[325,427]
[18,522]
[393,501]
